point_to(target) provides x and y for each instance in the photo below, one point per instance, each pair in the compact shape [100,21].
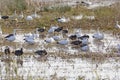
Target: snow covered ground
[57,69]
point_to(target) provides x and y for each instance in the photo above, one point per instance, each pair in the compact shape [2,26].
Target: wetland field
[59,40]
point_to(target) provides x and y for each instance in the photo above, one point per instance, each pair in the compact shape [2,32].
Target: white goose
[32,35]
[35,15]
[29,40]
[52,29]
[79,17]
[63,19]
[90,17]
[29,18]
[98,35]
[63,42]
[85,41]
[11,37]
[117,25]
[49,40]
[56,38]
[87,3]
[85,48]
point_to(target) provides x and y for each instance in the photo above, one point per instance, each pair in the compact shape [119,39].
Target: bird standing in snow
[98,35]
[11,37]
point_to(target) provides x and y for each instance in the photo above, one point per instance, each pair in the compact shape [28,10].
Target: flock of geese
[55,34]
[20,16]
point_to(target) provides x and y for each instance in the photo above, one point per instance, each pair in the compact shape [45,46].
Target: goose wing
[9,35]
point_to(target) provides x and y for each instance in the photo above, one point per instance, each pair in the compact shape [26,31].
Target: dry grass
[95,57]
[105,18]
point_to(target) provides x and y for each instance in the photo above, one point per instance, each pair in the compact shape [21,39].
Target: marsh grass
[105,18]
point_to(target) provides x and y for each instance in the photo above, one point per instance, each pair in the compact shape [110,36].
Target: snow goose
[79,17]
[29,18]
[84,41]
[90,17]
[49,40]
[117,25]
[33,35]
[84,47]
[63,42]
[86,3]
[29,35]
[11,37]
[98,35]
[29,40]
[35,15]
[52,29]
[63,20]
[56,38]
